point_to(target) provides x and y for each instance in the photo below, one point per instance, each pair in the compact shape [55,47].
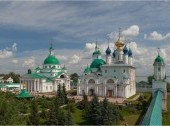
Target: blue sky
[74,26]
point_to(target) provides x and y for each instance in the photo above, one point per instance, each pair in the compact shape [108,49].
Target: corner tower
[159,79]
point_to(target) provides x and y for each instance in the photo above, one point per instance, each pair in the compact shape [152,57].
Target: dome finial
[158,51]
[51,49]
[96,46]
[119,33]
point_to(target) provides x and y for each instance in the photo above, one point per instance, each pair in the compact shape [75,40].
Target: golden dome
[119,43]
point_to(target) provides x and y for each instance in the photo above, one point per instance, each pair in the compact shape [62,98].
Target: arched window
[92,81]
[110,81]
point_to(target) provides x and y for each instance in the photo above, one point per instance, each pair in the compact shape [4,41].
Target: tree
[34,116]
[64,94]
[29,71]
[94,111]
[69,118]
[150,78]
[59,94]
[74,77]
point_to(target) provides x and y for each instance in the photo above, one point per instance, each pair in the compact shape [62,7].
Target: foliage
[69,118]
[150,78]
[168,87]
[29,71]
[74,77]
[84,103]
[34,116]
[61,94]
[14,76]
[94,111]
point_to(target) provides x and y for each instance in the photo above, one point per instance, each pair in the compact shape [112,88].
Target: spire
[119,43]
[119,33]
[108,51]
[51,49]
[96,46]
[158,51]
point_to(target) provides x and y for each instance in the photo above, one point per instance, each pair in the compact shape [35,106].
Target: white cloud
[61,57]
[74,59]
[131,31]
[157,36]
[29,62]
[14,61]
[8,52]
[90,46]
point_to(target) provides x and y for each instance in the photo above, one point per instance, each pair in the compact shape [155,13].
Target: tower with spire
[159,79]
[96,53]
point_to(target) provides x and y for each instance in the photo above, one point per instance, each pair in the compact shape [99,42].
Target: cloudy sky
[26,29]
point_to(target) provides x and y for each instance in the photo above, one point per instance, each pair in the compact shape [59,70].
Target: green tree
[74,77]
[65,99]
[150,78]
[69,118]
[94,111]
[33,118]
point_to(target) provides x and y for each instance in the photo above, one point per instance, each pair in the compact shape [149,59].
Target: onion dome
[125,50]
[97,63]
[108,51]
[51,60]
[130,52]
[97,52]
[114,54]
[119,43]
[87,70]
[159,59]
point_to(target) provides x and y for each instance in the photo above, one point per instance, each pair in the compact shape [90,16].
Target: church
[114,77]
[47,77]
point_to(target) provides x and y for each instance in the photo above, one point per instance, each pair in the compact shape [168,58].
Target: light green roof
[97,63]
[24,94]
[97,52]
[87,70]
[159,59]
[51,60]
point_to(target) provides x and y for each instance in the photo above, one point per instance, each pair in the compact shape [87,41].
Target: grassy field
[166,115]
[131,117]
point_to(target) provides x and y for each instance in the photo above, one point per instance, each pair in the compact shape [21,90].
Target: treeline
[14,76]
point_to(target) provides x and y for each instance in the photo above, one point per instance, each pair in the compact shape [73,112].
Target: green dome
[51,60]
[24,94]
[97,63]
[97,52]
[159,59]
[87,70]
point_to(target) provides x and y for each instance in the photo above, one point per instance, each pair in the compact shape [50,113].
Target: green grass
[166,115]
[77,117]
[130,98]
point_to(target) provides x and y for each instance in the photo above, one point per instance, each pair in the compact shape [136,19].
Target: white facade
[46,78]
[113,78]
[159,80]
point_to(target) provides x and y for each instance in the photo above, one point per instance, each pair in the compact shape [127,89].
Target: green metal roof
[87,70]
[24,94]
[153,115]
[97,63]
[159,59]
[51,60]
